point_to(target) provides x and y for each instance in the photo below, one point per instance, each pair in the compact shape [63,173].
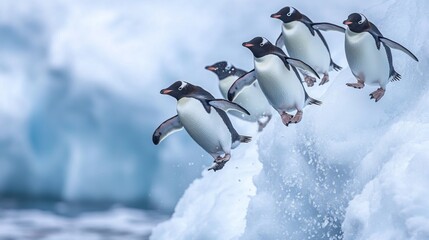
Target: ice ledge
[215,206]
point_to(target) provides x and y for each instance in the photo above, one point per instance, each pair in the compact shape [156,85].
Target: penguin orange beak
[347,22]
[246,44]
[166,91]
[211,68]
[275,15]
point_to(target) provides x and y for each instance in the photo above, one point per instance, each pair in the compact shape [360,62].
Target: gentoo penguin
[369,56]
[278,78]
[251,98]
[204,119]
[304,41]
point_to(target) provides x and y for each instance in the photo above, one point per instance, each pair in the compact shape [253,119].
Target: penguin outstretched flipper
[397,46]
[302,65]
[246,80]
[166,128]
[324,26]
[226,105]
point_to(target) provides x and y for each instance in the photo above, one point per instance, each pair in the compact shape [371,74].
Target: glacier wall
[352,169]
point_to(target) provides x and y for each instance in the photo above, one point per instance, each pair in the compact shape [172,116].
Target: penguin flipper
[280,42]
[397,46]
[239,84]
[302,65]
[324,26]
[166,128]
[226,105]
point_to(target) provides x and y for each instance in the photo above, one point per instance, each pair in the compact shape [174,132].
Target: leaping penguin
[251,98]
[304,41]
[278,78]
[369,56]
[204,119]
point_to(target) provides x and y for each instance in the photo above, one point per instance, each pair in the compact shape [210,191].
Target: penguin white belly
[207,129]
[251,98]
[281,87]
[365,60]
[301,44]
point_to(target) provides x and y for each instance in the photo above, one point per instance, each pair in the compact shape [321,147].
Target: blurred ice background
[79,100]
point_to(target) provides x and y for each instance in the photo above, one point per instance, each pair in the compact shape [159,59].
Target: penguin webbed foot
[219,162]
[286,118]
[297,118]
[359,85]
[325,79]
[309,80]
[377,94]
[216,166]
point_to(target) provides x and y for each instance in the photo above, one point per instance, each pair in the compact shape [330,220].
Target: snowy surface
[214,207]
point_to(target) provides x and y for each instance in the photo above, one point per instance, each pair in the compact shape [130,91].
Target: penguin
[278,78]
[303,40]
[369,55]
[205,120]
[251,98]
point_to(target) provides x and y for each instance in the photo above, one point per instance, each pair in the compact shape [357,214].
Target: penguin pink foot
[325,79]
[297,118]
[223,159]
[377,94]
[310,81]
[360,84]
[219,162]
[216,166]
[286,118]
[262,125]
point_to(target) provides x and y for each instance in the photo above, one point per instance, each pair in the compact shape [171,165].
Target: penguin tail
[311,101]
[395,77]
[335,66]
[245,139]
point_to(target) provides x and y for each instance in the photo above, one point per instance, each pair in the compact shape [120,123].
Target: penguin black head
[287,14]
[259,46]
[222,70]
[179,89]
[357,22]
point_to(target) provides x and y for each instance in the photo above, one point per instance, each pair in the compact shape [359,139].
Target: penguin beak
[211,68]
[166,91]
[275,15]
[248,45]
[347,22]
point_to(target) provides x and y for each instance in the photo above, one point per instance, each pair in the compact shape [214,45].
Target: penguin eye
[289,14]
[361,21]
[262,44]
[180,88]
